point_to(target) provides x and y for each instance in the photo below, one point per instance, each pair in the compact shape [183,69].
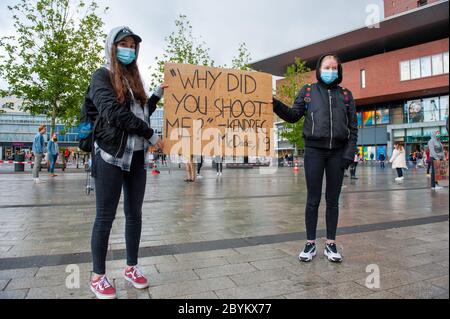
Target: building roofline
[424,24]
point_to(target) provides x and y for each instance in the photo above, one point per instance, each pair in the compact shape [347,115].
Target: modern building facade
[17,129]
[398,73]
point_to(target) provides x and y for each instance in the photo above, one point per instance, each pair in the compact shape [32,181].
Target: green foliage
[288,90]
[49,62]
[181,47]
[242,60]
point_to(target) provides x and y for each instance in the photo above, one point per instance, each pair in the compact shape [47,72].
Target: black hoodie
[329,111]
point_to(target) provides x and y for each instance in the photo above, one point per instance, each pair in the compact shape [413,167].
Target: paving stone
[419,290]
[197,264]
[190,287]
[13,294]
[225,270]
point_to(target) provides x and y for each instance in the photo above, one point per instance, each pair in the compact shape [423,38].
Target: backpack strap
[347,98]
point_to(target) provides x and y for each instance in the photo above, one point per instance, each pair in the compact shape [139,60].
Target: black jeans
[318,162]
[353,169]
[433,173]
[219,167]
[199,167]
[399,172]
[108,186]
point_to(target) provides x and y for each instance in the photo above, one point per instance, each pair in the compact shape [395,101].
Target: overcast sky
[268,27]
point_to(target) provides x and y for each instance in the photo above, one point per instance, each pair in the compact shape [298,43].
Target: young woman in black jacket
[330,132]
[122,137]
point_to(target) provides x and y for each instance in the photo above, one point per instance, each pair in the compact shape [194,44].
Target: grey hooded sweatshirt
[436,148]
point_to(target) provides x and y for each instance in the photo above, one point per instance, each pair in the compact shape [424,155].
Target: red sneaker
[135,276]
[103,289]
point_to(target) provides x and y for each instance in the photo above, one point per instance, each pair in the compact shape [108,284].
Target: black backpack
[88,122]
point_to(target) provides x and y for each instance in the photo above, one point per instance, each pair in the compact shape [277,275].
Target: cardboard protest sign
[217,112]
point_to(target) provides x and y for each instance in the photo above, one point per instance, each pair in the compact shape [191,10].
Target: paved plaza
[237,236]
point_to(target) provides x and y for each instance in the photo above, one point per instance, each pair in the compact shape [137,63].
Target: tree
[181,47]
[50,60]
[242,60]
[288,91]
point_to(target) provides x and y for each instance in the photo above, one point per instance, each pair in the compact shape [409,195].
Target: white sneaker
[220,174]
[437,188]
[308,253]
[39,181]
[332,254]
[199,176]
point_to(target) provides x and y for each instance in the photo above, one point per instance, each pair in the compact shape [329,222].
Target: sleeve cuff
[154,139]
[159,92]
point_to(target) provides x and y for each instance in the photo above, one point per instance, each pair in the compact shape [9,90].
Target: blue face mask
[126,56]
[329,76]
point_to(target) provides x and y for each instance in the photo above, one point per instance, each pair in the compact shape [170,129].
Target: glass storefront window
[369,118]
[428,131]
[399,133]
[443,101]
[383,117]
[414,111]
[431,109]
[397,116]
[360,119]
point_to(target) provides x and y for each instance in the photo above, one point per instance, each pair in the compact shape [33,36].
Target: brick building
[398,73]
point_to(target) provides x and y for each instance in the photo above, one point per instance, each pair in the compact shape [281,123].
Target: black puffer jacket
[330,115]
[115,121]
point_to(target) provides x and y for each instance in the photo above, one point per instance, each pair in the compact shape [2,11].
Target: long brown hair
[130,72]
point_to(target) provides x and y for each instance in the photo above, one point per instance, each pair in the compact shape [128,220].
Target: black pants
[199,167]
[433,173]
[353,169]
[219,167]
[399,172]
[108,186]
[318,162]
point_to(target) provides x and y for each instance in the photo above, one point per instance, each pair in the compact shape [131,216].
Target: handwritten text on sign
[212,112]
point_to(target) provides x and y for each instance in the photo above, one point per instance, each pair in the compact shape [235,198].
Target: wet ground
[237,236]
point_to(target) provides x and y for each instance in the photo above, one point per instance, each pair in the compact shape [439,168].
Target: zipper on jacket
[331,119]
[121,142]
[346,115]
[313,124]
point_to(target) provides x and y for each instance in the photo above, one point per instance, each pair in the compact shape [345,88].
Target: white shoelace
[104,283]
[137,273]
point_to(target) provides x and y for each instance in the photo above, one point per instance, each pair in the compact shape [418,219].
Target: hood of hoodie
[109,44]
[340,72]
[434,138]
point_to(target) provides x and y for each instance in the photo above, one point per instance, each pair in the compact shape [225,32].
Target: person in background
[398,160]
[428,162]
[53,151]
[38,150]
[199,167]
[219,162]
[190,170]
[354,165]
[382,159]
[436,155]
